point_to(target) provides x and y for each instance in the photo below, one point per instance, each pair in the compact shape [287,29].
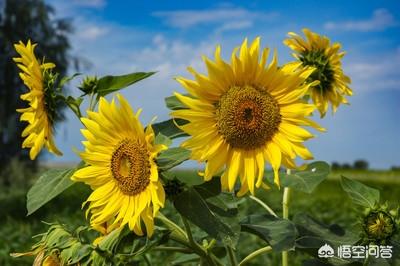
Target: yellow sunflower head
[41,111]
[317,51]
[246,113]
[120,156]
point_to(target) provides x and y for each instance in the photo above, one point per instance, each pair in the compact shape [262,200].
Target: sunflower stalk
[195,246]
[254,254]
[285,210]
[264,205]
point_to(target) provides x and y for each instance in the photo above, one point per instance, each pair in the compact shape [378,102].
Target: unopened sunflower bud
[89,84]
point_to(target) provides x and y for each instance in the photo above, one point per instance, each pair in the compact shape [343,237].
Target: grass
[17,230]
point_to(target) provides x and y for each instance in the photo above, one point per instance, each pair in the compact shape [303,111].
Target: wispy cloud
[376,72]
[380,20]
[90,3]
[225,18]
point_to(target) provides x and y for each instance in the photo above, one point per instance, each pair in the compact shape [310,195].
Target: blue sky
[118,37]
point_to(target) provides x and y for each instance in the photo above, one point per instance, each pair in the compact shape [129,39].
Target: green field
[328,204]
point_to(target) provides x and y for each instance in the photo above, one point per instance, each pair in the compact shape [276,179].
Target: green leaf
[168,128]
[173,103]
[277,232]
[314,234]
[67,79]
[308,179]
[162,139]
[49,185]
[75,253]
[74,104]
[110,242]
[109,84]
[172,157]
[359,193]
[210,188]
[194,208]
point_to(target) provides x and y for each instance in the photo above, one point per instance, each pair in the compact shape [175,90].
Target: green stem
[285,210]
[172,226]
[232,256]
[195,246]
[173,249]
[264,205]
[255,254]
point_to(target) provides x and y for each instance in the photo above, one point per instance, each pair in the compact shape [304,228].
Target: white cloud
[376,72]
[91,32]
[380,20]
[226,17]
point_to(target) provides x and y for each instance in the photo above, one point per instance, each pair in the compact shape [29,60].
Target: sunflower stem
[172,226]
[264,205]
[285,210]
[254,254]
[232,256]
[195,246]
[173,249]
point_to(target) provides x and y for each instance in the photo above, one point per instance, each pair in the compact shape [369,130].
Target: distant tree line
[357,165]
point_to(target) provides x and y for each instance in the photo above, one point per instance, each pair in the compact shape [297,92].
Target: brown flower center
[130,166]
[247,117]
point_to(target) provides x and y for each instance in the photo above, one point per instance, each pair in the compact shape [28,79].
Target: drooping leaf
[110,242]
[277,232]
[109,84]
[308,179]
[50,184]
[172,157]
[194,208]
[168,128]
[359,193]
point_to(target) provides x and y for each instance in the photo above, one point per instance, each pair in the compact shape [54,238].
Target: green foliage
[308,179]
[279,233]
[193,207]
[360,193]
[172,157]
[110,84]
[169,128]
[173,103]
[49,185]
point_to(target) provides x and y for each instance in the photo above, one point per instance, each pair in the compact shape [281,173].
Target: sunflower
[244,114]
[120,169]
[40,113]
[318,52]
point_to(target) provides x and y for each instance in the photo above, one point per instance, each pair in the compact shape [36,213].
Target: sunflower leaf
[193,207]
[359,193]
[308,179]
[49,185]
[173,103]
[172,157]
[109,84]
[277,232]
[169,128]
